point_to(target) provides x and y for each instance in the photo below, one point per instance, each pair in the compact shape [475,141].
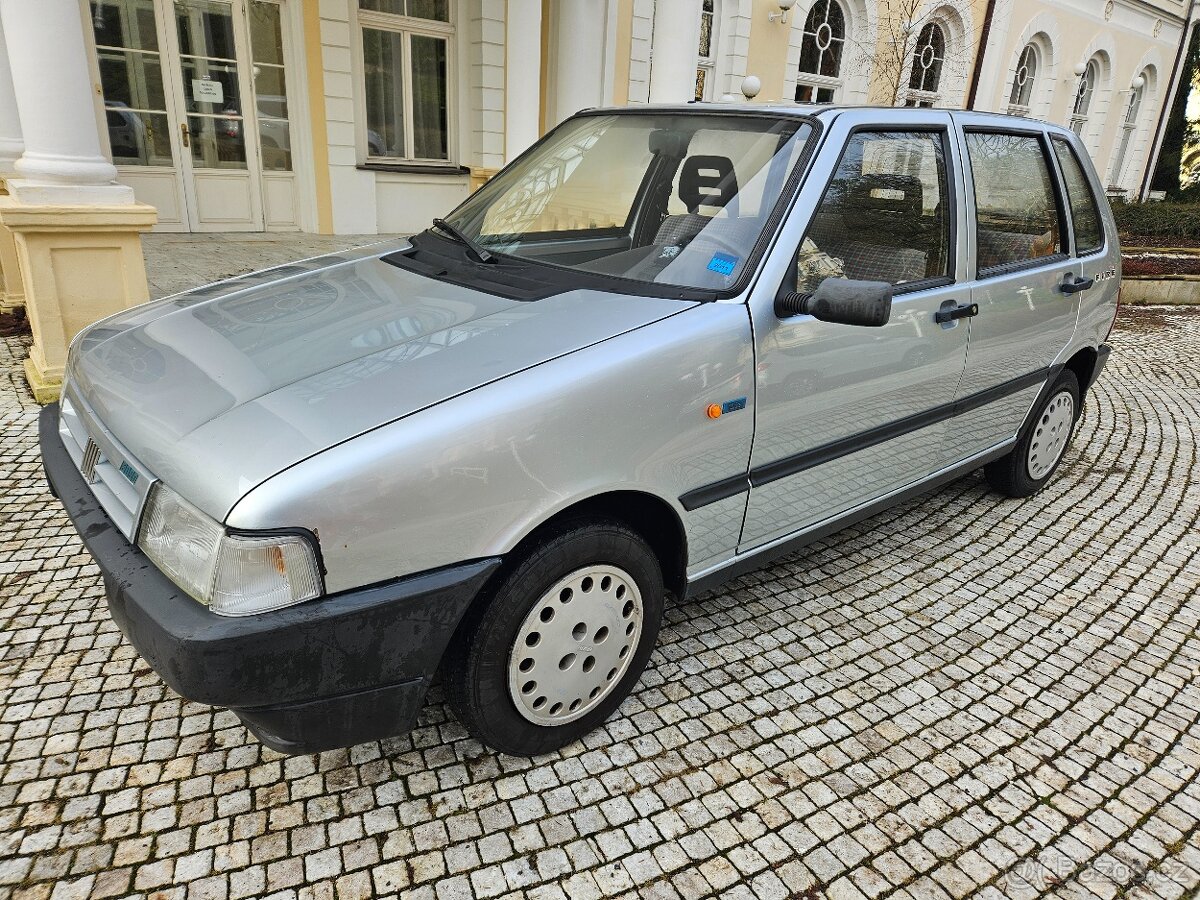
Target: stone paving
[965,696]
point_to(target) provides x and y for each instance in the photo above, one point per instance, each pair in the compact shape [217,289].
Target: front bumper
[328,673]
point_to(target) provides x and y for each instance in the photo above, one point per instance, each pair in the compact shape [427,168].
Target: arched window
[1084,92]
[707,50]
[1023,79]
[1133,112]
[821,53]
[929,55]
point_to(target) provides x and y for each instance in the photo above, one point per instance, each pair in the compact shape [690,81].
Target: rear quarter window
[1016,206]
[1085,213]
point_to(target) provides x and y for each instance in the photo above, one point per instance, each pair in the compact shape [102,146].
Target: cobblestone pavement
[967,695]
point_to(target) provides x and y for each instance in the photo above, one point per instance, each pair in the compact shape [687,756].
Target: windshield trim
[761,244]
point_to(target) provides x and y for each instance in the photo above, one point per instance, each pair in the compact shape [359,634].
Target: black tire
[1010,475]
[476,669]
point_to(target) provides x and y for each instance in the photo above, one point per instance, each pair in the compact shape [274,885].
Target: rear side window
[1089,235]
[885,215]
[1016,209]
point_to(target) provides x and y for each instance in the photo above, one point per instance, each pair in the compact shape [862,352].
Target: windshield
[672,199]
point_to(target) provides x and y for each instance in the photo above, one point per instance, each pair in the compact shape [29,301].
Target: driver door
[846,414]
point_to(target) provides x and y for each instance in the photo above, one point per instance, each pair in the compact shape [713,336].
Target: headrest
[887,193]
[707,181]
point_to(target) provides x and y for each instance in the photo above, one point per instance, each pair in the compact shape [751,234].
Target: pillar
[579,69]
[76,231]
[675,52]
[12,294]
[523,76]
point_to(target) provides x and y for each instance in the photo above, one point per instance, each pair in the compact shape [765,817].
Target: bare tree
[896,57]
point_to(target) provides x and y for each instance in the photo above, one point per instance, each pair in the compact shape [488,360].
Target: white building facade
[365,116]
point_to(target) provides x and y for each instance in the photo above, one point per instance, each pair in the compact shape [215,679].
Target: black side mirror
[841,300]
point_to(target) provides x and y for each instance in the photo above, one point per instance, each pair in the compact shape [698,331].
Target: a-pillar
[12,293]
[675,52]
[77,232]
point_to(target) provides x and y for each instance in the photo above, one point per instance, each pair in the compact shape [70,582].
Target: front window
[885,215]
[664,199]
[406,73]
[821,51]
[929,56]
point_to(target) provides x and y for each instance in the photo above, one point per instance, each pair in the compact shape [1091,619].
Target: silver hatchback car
[662,347]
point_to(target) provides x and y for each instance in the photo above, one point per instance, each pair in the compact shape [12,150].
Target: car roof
[827,112]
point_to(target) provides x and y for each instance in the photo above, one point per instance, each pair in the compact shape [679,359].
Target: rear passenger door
[844,413]
[1023,277]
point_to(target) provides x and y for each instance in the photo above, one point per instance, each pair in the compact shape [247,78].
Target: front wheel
[1043,441]
[562,641]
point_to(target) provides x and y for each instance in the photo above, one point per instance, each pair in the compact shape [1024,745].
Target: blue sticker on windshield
[722,263]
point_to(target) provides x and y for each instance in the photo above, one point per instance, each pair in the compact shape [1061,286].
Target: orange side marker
[714,410]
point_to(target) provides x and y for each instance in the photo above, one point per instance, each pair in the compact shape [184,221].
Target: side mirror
[841,300]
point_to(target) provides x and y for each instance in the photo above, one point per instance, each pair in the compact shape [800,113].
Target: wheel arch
[1083,364]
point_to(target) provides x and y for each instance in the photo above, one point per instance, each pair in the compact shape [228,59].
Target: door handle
[1073,285]
[183,131]
[950,313]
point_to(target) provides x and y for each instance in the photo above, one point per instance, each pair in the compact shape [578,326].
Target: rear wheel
[1043,441]
[561,643]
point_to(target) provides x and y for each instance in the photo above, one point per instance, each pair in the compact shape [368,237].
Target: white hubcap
[575,645]
[1050,435]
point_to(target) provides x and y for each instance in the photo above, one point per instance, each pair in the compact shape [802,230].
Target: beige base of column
[78,264]
[12,291]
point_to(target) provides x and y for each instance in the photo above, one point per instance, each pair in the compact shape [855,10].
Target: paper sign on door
[204,91]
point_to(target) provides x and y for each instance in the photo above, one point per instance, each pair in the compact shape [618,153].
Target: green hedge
[1158,219]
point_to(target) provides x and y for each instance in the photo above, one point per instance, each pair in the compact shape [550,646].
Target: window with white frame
[1133,112]
[406,75]
[707,50]
[1023,80]
[1085,91]
[821,50]
[928,59]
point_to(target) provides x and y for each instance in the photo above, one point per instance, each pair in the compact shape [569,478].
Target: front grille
[91,456]
[118,480]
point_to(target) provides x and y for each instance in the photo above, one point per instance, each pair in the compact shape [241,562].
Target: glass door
[216,127]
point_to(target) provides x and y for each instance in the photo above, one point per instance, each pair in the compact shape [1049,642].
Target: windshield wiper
[477,251]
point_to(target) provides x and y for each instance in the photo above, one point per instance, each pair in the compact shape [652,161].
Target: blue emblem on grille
[128,472]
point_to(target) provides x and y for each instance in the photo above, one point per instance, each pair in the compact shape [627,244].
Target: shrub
[1158,219]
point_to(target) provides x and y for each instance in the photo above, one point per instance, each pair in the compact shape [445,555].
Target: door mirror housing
[841,300]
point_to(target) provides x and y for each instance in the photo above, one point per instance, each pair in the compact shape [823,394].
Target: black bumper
[332,672]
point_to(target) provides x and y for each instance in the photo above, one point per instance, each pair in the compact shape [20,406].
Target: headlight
[233,574]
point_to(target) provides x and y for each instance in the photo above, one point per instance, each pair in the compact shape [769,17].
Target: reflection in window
[211,88]
[1089,234]
[821,51]
[131,82]
[884,214]
[1015,205]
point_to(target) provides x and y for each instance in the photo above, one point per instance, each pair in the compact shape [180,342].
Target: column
[580,56]
[523,76]
[76,231]
[675,51]
[12,294]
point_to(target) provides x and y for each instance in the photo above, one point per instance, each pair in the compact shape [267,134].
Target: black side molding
[808,459]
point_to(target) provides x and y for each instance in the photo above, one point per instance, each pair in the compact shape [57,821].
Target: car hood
[217,389]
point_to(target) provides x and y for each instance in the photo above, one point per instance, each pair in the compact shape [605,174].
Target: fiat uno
[662,347]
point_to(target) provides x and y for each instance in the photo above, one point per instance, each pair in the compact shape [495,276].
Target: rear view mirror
[841,300]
